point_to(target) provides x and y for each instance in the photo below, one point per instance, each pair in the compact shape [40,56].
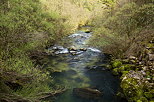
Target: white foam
[94,49]
[64,51]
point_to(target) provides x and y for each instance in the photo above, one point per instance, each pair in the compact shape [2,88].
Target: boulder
[87,93]
[134,85]
[88,31]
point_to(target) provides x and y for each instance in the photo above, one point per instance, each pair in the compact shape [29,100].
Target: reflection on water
[83,69]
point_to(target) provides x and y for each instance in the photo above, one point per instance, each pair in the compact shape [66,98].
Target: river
[79,65]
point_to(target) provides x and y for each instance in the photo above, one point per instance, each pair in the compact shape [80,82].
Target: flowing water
[83,66]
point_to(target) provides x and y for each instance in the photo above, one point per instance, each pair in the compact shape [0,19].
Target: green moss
[131,89]
[129,67]
[150,94]
[116,63]
[122,68]
[125,72]
[115,71]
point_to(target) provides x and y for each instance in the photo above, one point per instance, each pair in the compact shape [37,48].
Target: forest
[49,50]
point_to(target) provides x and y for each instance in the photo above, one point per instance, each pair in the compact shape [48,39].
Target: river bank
[137,80]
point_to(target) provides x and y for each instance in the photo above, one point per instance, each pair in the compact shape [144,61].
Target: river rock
[56,47]
[73,52]
[56,50]
[83,49]
[87,93]
[72,48]
[87,31]
[64,51]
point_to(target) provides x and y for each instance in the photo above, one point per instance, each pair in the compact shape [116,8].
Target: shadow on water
[78,69]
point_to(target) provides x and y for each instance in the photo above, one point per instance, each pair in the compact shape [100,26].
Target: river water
[82,66]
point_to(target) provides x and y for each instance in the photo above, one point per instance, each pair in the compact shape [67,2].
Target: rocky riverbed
[81,69]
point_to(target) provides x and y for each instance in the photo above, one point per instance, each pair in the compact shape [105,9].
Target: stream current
[82,66]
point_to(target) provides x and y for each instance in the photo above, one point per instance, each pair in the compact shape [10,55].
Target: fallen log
[87,93]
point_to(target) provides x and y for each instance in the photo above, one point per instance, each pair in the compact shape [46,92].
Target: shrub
[25,28]
[120,33]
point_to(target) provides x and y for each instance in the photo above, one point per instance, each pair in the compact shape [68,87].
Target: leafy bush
[120,33]
[26,28]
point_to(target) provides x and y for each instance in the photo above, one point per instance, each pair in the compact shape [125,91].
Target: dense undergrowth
[120,29]
[125,30]
[26,28]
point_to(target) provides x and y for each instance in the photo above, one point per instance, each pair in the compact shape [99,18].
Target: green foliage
[120,32]
[26,28]
[34,90]
[149,94]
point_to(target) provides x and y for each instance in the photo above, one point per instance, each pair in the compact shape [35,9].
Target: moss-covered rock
[116,63]
[124,73]
[120,68]
[135,87]
[131,89]
[129,67]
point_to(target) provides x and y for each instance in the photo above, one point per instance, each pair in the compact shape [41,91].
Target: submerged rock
[71,72]
[87,93]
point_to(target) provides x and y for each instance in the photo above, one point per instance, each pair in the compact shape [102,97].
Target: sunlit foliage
[119,29]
